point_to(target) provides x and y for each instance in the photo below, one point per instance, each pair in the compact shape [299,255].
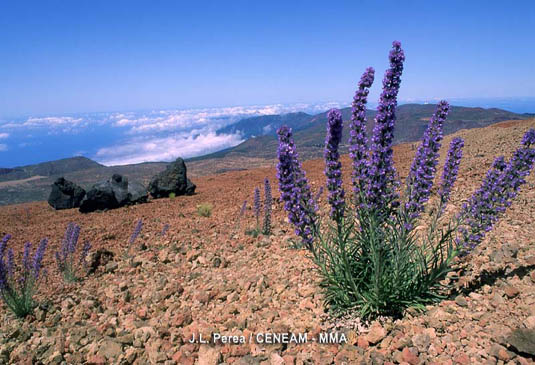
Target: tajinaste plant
[137,231]
[333,166]
[294,188]
[374,260]
[358,141]
[257,206]
[65,259]
[17,293]
[268,201]
[243,208]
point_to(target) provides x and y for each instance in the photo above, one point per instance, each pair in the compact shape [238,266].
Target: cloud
[3,147]
[165,149]
[141,136]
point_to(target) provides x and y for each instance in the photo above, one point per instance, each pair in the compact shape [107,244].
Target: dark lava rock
[65,194]
[114,193]
[173,180]
[137,192]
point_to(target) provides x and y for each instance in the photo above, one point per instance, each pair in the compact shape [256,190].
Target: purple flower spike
[10,262]
[243,208]
[257,203]
[500,186]
[358,141]
[26,257]
[423,168]
[382,174]
[333,166]
[38,258]
[294,188]
[3,245]
[451,169]
[137,231]
[268,201]
[529,138]
[164,229]
[85,251]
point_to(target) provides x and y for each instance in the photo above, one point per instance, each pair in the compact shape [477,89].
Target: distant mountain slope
[411,122]
[26,189]
[267,124]
[57,167]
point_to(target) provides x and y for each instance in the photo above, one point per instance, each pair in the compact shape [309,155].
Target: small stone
[462,359]
[55,358]
[410,356]
[111,267]
[511,291]
[376,334]
[530,322]
[421,342]
[461,301]
[163,256]
[276,359]
[110,349]
[209,355]
[96,360]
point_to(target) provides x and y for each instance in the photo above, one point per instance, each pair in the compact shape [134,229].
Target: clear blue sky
[81,56]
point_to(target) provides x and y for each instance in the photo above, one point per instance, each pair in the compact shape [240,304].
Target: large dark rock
[114,193]
[173,180]
[65,194]
[99,197]
[137,192]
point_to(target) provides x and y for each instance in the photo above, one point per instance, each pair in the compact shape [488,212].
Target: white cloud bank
[4,135]
[165,149]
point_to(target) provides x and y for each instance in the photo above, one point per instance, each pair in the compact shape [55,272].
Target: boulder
[137,192]
[173,180]
[99,197]
[114,193]
[65,194]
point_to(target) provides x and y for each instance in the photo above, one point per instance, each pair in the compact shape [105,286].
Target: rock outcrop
[173,180]
[114,193]
[65,194]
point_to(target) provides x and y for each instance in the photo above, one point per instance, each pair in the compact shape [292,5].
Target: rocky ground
[207,276]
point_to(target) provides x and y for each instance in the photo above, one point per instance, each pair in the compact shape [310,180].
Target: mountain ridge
[19,184]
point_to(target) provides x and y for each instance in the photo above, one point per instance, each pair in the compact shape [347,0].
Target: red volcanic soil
[206,276]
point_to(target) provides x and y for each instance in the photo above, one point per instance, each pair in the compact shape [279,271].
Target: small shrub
[65,259]
[253,232]
[370,257]
[17,292]
[204,209]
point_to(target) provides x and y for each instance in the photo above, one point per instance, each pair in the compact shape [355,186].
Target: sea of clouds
[119,138]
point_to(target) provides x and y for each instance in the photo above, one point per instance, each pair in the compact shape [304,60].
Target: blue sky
[83,56]
[68,59]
